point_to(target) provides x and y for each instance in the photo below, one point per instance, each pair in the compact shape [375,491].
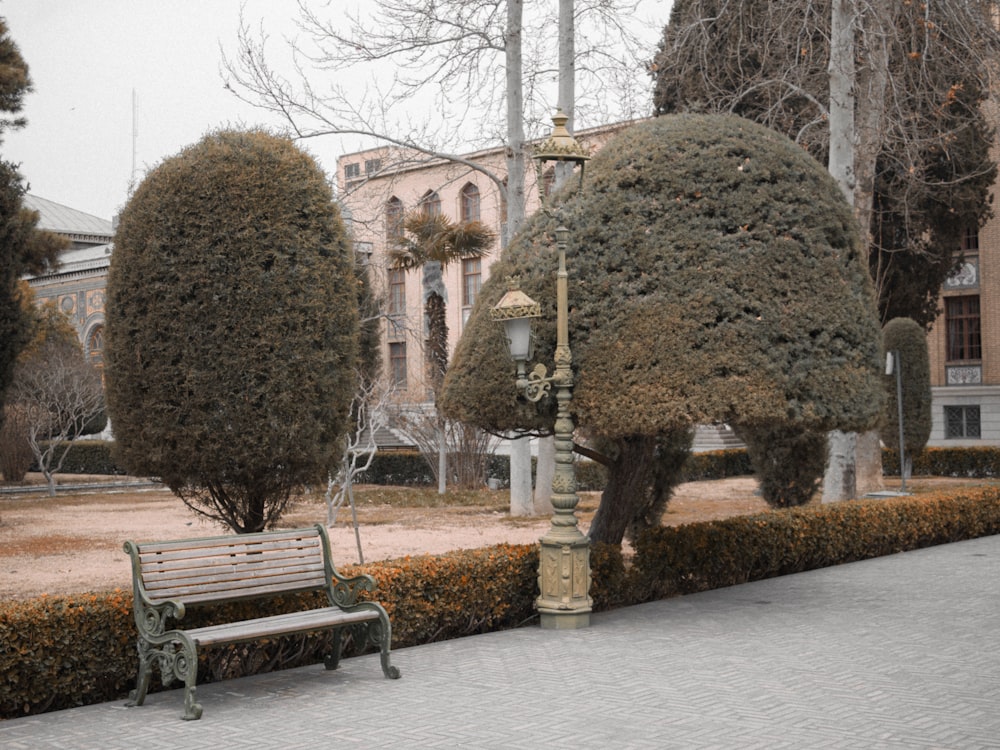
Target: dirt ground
[72,543]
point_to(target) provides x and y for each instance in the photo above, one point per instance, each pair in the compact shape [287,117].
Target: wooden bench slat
[194,576]
[223,592]
[308,546]
[225,542]
[234,568]
[295,622]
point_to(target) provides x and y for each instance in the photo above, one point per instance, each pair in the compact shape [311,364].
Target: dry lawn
[72,543]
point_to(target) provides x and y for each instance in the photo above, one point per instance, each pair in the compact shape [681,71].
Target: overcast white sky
[86,57]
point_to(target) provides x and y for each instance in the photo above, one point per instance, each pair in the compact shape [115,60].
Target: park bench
[169,577]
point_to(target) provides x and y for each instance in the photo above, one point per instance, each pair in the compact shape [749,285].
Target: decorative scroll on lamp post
[564,560]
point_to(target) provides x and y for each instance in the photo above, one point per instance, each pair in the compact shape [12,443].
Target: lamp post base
[565,621]
[564,582]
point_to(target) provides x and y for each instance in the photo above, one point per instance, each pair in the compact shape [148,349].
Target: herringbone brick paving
[898,652]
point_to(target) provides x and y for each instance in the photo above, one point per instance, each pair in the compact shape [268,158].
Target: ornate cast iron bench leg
[332,660]
[138,696]
[186,669]
[380,634]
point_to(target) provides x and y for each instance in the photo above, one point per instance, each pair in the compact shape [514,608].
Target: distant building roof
[67,221]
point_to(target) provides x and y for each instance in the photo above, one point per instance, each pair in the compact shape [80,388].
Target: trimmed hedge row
[697,557]
[58,652]
[948,462]
[90,457]
[409,467]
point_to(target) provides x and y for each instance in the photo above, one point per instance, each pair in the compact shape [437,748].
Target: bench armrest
[344,591]
[150,617]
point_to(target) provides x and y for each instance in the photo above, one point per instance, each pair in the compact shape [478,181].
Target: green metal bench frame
[168,577]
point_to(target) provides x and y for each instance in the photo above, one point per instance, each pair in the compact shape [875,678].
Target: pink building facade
[377,188]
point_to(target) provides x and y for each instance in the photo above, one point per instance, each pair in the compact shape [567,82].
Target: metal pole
[564,558]
[897,366]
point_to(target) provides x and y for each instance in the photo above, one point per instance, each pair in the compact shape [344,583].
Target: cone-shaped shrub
[906,337]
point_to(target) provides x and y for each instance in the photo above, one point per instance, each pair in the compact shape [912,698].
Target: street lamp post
[564,601]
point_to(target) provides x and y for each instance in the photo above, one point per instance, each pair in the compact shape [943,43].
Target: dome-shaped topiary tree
[232,327]
[715,274]
[906,337]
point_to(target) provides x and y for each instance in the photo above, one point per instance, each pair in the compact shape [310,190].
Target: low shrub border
[59,652]
[409,467]
[697,557]
[979,463]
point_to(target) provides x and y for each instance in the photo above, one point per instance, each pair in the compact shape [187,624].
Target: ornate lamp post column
[564,559]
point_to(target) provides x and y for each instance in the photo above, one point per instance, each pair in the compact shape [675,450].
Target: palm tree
[430,241]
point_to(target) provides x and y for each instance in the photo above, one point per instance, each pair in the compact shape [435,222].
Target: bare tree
[466,447]
[369,410]
[61,393]
[477,47]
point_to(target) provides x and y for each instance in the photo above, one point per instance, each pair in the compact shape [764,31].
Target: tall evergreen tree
[23,248]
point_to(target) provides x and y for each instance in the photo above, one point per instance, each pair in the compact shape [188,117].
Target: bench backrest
[232,567]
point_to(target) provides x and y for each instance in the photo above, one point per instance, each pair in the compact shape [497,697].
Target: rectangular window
[970,240]
[352,171]
[472,280]
[397,364]
[962,322]
[372,165]
[961,422]
[397,292]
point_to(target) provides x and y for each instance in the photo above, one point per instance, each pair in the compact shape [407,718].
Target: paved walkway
[898,652]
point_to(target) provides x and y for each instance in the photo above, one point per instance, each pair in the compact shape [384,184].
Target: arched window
[95,346]
[393,218]
[430,204]
[470,202]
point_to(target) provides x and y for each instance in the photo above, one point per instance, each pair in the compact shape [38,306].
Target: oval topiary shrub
[232,326]
[905,337]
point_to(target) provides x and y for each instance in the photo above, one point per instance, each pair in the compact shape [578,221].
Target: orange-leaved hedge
[697,557]
[58,652]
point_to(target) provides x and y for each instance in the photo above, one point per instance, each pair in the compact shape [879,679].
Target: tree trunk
[841,69]
[868,462]
[520,449]
[516,210]
[872,87]
[442,458]
[840,480]
[545,471]
[567,79]
[436,346]
[855,462]
[626,494]
[520,477]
